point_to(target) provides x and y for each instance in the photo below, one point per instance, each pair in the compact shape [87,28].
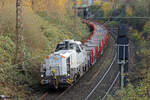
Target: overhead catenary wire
[119,17]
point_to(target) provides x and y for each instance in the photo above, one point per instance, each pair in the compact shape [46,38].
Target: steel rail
[101,78]
[111,86]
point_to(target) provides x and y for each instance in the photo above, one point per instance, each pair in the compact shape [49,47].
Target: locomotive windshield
[64,47]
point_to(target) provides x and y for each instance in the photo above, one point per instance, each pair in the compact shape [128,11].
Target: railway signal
[122,54]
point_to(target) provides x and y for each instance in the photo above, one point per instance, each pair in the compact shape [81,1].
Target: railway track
[81,90]
[102,88]
[99,77]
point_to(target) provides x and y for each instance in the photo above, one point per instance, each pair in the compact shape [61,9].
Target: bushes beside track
[41,34]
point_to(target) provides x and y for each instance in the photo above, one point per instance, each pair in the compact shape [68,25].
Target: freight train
[72,59]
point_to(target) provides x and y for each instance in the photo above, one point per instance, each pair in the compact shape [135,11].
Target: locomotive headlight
[68,74]
[42,75]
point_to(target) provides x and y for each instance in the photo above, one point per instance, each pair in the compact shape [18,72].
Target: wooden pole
[75,14]
[21,33]
[19,30]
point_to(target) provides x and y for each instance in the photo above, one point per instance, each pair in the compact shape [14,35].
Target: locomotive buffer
[122,54]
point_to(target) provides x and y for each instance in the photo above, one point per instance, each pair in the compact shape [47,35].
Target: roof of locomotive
[64,53]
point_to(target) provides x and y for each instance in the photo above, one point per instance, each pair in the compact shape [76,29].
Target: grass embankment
[41,31]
